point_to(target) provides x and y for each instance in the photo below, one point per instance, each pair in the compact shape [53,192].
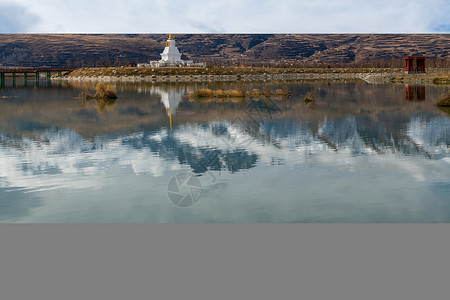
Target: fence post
[37,78]
[2,80]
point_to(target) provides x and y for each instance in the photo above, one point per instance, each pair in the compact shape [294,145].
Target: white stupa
[171,57]
[171,53]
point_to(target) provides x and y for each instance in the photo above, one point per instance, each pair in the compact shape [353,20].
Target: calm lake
[358,153]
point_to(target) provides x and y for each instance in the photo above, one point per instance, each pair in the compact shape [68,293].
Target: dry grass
[102,91]
[105,96]
[105,91]
[444,102]
[216,93]
[239,93]
[100,103]
[254,93]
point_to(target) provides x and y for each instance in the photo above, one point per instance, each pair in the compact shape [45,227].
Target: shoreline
[218,74]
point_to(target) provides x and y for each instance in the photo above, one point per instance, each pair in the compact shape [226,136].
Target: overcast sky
[225,16]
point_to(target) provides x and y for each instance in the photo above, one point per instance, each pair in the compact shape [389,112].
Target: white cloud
[15,18]
[233,16]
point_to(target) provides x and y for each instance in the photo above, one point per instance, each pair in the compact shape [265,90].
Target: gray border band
[232,261]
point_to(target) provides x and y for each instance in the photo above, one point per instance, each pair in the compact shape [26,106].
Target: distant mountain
[119,49]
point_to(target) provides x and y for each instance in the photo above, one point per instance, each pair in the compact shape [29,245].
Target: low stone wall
[373,77]
[206,78]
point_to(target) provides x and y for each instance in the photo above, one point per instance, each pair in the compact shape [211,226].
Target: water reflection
[414,92]
[49,143]
[171,98]
[234,144]
[100,104]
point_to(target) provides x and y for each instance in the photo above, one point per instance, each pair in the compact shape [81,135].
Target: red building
[414,64]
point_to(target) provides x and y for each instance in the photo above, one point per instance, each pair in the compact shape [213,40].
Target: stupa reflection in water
[187,143]
[171,98]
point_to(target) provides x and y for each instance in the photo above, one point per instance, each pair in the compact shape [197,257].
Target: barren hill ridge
[117,49]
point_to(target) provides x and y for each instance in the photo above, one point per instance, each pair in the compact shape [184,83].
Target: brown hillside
[113,49]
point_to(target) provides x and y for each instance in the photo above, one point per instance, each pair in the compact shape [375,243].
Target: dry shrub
[279,92]
[254,92]
[444,101]
[220,93]
[100,102]
[105,91]
[204,93]
[237,93]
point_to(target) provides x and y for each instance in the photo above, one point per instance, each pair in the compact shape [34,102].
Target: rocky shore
[380,76]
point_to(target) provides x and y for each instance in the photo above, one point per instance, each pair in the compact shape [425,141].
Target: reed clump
[100,103]
[284,91]
[102,91]
[217,93]
[239,93]
[444,102]
[254,93]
